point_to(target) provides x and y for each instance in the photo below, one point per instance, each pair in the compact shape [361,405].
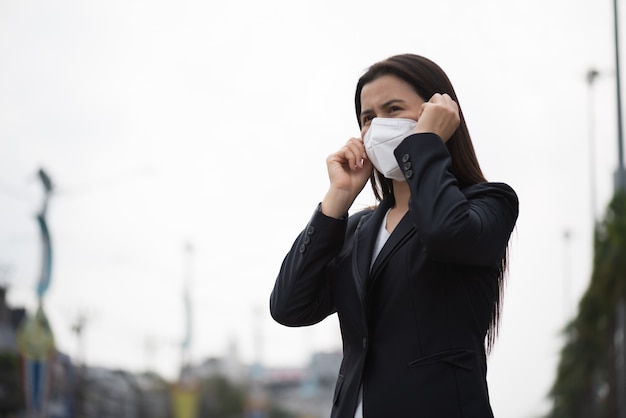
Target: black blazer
[414,327]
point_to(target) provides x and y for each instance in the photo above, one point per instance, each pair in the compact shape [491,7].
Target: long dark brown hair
[427,78]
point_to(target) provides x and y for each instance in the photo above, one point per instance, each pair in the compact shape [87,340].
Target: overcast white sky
[165,122]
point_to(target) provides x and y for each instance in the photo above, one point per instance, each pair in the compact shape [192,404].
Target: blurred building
[303,392]
[118,394]
[97,392]
[229,366]
[76,392]
[11,399]
[308,392]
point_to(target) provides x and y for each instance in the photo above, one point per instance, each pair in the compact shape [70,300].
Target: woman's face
[388,97]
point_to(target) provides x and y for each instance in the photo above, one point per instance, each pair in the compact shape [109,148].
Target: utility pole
[567,276]
[185,360]
[81,386]
[620,173]
[592,75]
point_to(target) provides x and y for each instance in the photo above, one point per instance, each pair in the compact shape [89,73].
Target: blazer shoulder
[494,189]
[355,218]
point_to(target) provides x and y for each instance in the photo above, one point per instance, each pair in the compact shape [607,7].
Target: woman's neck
[401,194]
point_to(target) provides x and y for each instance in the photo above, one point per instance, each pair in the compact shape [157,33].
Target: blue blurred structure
[35,338]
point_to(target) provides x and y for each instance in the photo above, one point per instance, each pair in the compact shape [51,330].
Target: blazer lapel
[403,231]
[365,238]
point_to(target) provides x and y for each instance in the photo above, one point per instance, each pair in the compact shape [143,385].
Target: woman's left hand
[439,115]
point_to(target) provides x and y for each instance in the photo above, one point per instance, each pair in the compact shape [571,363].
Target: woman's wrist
[336,203]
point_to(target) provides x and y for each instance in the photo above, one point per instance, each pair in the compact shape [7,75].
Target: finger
[435,98]
[449,100]
[356,141]
[349,156]
[451,104]
[441,98]
[357,148]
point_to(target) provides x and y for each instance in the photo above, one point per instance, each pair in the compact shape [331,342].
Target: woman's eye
[394,109]
[367,119]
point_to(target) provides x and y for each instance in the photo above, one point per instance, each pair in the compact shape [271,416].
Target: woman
[417,281]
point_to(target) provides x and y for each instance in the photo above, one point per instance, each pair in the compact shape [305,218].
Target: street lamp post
[620,185]
[620,173]
[592,74]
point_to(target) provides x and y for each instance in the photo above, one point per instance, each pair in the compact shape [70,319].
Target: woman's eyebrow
[384,105]
[392,101]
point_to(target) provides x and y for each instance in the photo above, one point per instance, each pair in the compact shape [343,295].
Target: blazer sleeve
[470,226]
[301,294]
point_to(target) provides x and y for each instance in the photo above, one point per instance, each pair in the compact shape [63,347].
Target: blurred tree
[11,397]
[277,412]
[219,398]
[586,381]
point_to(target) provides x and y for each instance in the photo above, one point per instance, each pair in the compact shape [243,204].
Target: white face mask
[382,138]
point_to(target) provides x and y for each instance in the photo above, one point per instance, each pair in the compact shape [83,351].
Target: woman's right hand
[439,115]
[348,171]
